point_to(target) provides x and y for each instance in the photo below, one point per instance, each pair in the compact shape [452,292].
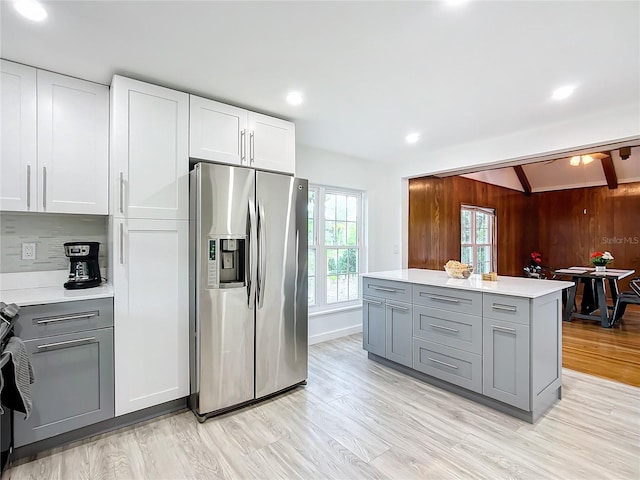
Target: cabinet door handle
[66,344]
[44,187]
[397,307]
[243,148]
[444,328]
[383,289]
[507,308]
[506,329]
[121,196]
[28,187]
[68,317]
[121,244]
[252,147]
[442,363]
[444,299]
[371,301]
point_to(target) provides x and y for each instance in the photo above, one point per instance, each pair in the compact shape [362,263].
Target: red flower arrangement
[536,258]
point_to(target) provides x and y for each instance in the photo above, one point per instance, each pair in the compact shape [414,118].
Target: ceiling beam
[524,181]
[609,171]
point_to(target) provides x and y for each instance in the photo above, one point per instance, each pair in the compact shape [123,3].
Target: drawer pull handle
[442,363]
[444,328]
[371,301]
[507,308]
[68,317]
[383,289]
[503,328]
[397,307]
[444,299]
[68,343]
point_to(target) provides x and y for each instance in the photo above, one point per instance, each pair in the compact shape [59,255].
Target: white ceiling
[558,174]
[371,72]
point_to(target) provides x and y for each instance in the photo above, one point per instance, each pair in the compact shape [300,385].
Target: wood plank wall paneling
[553,223]
[434,221]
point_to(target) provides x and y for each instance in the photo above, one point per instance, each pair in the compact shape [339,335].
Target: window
[477,242]
[335,245]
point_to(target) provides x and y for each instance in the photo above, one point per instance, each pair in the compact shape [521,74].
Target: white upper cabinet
[217,131]
[60,162]
[73,145]
[149,151]
[272,143]
[227,134]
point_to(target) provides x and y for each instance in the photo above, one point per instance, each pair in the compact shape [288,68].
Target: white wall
[383,210]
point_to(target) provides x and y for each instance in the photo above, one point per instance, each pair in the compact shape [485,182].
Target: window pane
[310,229]
[341,207]
[481,220]
[484,267]
[343,288]
[312,291]
[352,233]
[342,261]
[484,254]
[482,235]
[332,261]
[341,233]
[352,208]
[330,233]
[353,287]
[467,255]
[352,260]
[312,263]
[311,214]
[332,289]
[330,206]
[465,224]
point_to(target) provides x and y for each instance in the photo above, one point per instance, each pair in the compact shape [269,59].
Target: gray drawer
[40,321]
[448,328]
[461,301]
[504,307]
[449,364]
[387,289]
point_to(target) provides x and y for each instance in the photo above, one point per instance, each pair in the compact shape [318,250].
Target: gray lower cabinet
[374,325]
[506,371]
[74,374]
[399,326]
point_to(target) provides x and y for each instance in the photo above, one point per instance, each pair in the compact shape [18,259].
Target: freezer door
[281,313]
[222,200]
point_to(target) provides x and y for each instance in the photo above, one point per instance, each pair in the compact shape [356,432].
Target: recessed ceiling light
[412,137]
[563,92]
[294,98]
[31,9]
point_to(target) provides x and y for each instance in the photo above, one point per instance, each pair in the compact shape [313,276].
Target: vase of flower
[600,260]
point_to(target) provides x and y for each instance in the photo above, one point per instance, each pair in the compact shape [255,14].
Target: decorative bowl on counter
[457,269]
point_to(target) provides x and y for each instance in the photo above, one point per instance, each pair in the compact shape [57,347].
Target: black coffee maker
[84,271]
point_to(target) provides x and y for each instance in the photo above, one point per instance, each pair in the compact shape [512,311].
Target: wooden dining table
[594,304]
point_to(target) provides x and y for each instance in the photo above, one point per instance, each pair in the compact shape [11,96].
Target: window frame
[493,241]
[320,249]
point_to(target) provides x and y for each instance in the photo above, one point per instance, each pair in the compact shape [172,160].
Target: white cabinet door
[217,131]
[18,137]
[151,322]
[149,151]
[272,143]
[73,145]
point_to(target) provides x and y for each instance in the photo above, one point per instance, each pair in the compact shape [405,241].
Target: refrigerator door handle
[262,253]
[253,253]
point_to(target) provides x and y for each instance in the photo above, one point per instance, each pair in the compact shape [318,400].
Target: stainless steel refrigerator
[248,314]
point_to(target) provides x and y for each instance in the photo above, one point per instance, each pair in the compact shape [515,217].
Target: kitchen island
[496,342]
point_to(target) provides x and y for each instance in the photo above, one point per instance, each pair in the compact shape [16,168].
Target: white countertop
[516,286]
[36,288]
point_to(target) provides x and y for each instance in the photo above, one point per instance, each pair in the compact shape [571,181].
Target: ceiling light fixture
[455,3]
[575,161]
[563,92]
[31,9]
[412,137]
[294,98]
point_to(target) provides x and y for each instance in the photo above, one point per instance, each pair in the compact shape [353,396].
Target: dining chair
[625,298]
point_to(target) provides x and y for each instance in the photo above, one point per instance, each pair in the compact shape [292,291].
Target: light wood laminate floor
[358,419]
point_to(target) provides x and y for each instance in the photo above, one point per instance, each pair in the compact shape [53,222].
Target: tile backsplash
[49,231]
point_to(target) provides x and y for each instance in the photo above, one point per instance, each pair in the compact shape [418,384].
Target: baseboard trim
[341,332]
